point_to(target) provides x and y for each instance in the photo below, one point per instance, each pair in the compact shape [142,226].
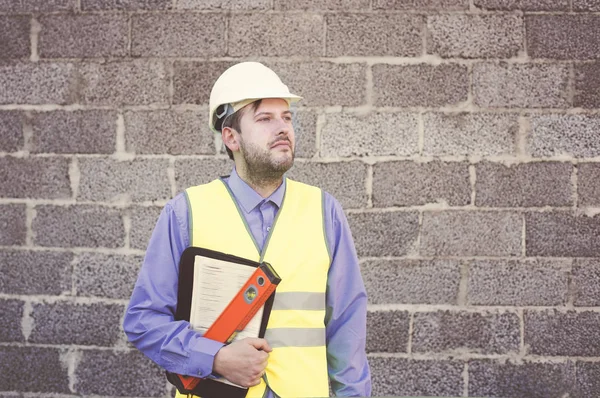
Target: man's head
[250,108]
[262,141]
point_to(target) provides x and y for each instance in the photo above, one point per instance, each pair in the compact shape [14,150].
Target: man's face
[267,140]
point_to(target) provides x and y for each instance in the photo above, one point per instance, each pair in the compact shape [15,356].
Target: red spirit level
[242,308]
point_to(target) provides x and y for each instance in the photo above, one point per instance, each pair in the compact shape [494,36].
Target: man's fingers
[264,364]
[255,382]
[243,362]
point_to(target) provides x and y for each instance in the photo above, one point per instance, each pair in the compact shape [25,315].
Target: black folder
[211,388]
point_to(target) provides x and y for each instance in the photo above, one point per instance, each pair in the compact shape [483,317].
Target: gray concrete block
[409,377]
[586,5]
[524,185]
[106,275]
[137,180]
[346,181]
[10,322]
[374,134]
[89,131]
[137,82]
[81,36]
[82,324]
[411,281]
[587,379]
[471,233]
[37,83]
[588,184]
[178,35]
[324,5]
[23,6]
[108,373]
[192,172]
[523,5]
[193,80]
[419,85]
[429,5]
[408,183]
[563,36]
[34,177]
[374,35]
[92,5]
[79,226]
[249,34]
[384,234]
[143,220]
[585,279]
[324,83]
[387,331]
[488,378]
[475,36]
[224,4]
[11,131]
[305,128]
[587,85]
[35,272]
[558,234]
[518,283]
[33,369]
[459,332]
[469,134]
[13,230]
[559,333]
[14,36]
[555,135]
[170,132]
[521,85]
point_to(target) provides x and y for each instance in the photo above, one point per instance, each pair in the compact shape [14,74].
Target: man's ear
[230,139]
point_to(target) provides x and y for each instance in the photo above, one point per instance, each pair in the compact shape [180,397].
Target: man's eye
[264,119]
[287,118]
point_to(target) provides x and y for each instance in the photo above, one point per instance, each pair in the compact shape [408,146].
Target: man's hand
[243,362]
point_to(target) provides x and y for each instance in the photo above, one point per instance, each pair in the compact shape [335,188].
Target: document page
[216,282]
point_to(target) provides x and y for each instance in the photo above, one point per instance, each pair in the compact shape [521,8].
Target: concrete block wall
[461,136]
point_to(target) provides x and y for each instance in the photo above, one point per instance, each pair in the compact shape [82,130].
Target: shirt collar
[247,197]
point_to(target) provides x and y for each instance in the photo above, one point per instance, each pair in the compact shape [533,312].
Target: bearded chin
[262,166]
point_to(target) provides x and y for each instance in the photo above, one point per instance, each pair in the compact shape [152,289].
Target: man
[317,328]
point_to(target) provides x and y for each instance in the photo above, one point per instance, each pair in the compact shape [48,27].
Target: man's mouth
[281,143]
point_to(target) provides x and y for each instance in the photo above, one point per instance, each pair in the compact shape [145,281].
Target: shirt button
[268,229]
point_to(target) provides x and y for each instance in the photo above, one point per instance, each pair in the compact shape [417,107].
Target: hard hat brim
[288,97]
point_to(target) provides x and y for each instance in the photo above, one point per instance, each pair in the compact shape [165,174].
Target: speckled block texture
[461,139]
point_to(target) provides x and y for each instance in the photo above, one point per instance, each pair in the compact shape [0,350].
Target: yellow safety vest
[297,248]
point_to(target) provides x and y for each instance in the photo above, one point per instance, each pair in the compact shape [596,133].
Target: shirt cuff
[202,357]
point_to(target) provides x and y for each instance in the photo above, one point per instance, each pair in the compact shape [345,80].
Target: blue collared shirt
[149,321]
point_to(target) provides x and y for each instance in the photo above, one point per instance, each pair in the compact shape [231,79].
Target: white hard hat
[241,85]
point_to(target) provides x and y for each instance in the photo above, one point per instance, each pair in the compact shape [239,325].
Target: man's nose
[283,127]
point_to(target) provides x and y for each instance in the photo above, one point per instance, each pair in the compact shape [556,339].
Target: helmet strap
[221,113]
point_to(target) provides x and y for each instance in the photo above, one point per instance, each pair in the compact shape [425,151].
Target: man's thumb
[261,344]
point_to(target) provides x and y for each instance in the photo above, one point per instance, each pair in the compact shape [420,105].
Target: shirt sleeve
[149,321]
[346,313]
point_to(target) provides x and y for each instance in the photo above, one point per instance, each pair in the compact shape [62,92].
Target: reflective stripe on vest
[295,337]
[297,248]
[300,301]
